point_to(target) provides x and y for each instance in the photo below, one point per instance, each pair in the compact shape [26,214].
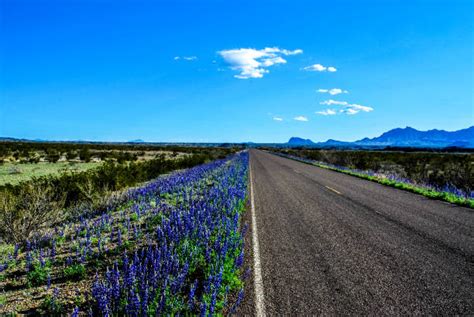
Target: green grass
[75,272]
[15,173]
[38,275]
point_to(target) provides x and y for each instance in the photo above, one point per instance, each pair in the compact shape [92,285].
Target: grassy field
[15,173]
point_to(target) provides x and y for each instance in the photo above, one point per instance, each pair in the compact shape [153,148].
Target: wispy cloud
[301,118]
[347,108]
[327,112]
[253,63]
[355,108]
[331,102]
[320,68]
[186,58]
[278,119]
[333,91]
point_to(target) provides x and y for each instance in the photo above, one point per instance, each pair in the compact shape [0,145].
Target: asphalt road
[332,244]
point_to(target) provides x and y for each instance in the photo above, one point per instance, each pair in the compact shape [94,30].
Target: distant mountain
[295,141]
[136,141]
[336,143]
[401,137]
[8,139]
[415,138]
[4,139]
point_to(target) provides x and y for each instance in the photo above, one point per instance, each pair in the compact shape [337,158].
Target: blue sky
[220,71]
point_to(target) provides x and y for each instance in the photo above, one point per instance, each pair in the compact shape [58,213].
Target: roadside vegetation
[443,176]
[15,173]
[22,161]
[92,243]
[19,152]
[46,200]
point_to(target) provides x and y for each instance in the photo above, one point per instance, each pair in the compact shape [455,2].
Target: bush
[85,155]
[133,217]
[33,208]
[53,156]
[70,155]
[75,272]
[38,275]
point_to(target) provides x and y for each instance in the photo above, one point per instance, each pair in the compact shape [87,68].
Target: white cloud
[294,52]
[347,108]
[252,63]
[349,111]
[186,58]
[315,68]
[301,118]
[277,119]
[355,108]
[327,112]
[333,91]
[319,68]
[334,102]
[272,61]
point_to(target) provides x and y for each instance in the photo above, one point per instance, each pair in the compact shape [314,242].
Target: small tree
[70,155]
[7,215]
[85,155]
[53,156]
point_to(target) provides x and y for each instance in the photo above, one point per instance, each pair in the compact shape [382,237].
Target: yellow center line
[330,188]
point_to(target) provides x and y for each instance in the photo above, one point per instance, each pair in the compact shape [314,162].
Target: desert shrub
[70,155]
[52,155]
[34,159]
[85,155]
[31,209]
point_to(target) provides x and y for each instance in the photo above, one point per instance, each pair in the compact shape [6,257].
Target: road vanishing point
[333,244]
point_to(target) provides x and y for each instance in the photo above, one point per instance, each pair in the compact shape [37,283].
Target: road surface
[333,244]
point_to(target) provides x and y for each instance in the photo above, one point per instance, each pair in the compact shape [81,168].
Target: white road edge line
[330,188]
[258,281]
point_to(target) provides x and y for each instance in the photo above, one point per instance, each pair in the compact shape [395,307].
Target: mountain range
[399,137]
[402,137]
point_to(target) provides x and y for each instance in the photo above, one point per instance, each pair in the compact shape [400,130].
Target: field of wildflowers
[173,246]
